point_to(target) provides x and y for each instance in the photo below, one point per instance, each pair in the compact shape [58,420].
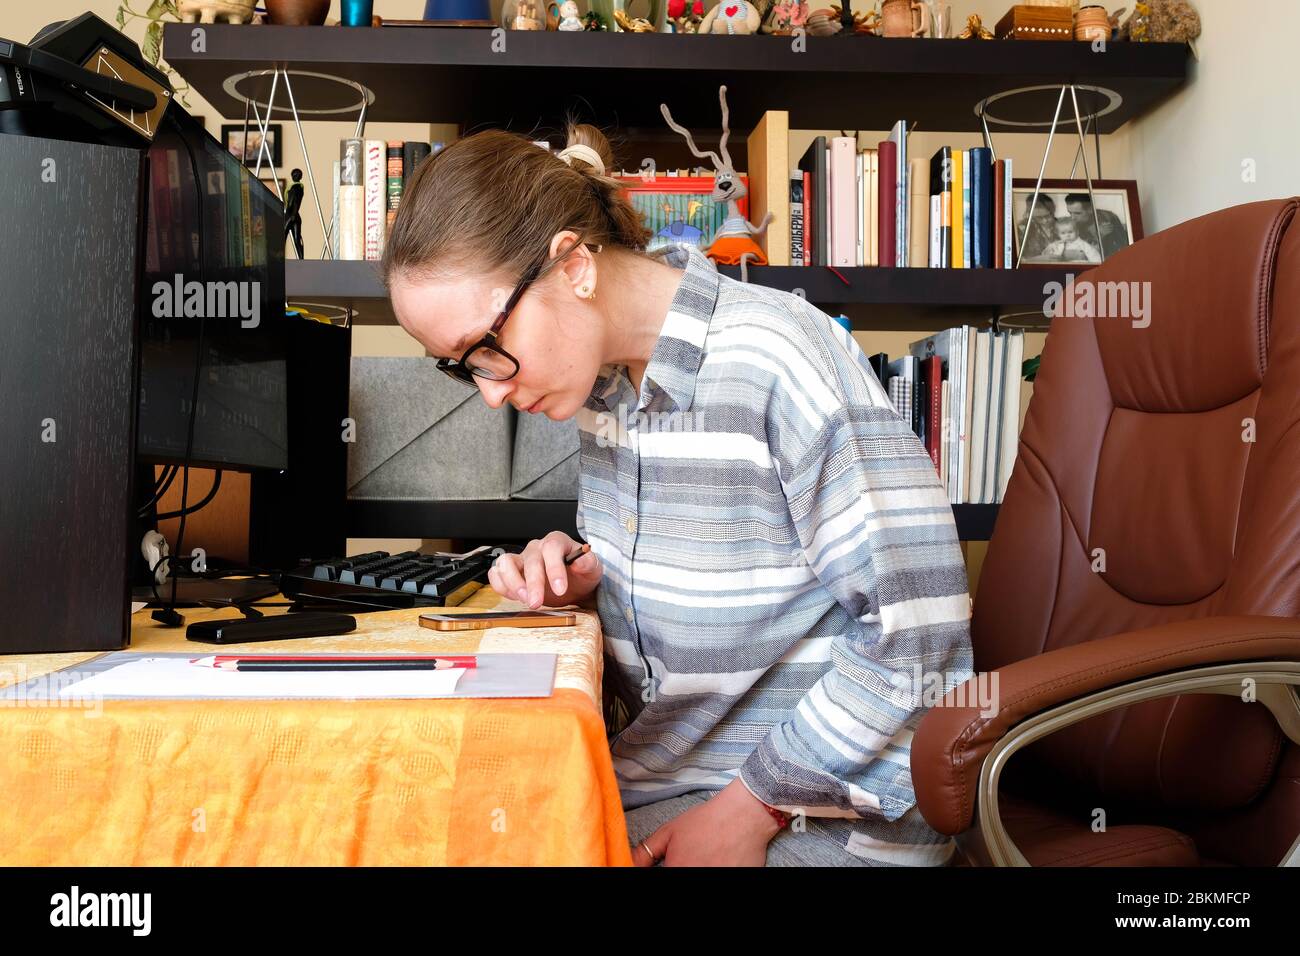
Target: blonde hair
[492,202]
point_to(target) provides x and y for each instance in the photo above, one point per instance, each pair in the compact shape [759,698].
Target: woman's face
[549,332]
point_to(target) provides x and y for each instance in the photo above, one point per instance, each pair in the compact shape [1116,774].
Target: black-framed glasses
[485,358]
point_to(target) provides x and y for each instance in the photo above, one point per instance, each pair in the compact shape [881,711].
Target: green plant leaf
[156,9]
[151,47]
[1030,368]
[121,18]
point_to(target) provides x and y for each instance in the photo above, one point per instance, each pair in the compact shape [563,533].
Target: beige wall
[1187,156]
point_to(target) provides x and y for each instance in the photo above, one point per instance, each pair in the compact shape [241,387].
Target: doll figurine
[733,17]
[733,244]
[567,14]
[293,211]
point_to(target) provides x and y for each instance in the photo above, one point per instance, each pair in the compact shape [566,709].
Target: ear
[578,268]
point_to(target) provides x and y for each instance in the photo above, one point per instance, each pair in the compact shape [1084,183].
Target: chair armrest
[952,740]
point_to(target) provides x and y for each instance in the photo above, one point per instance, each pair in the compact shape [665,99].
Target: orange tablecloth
[506,781]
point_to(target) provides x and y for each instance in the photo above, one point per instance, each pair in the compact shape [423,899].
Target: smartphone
[482,619]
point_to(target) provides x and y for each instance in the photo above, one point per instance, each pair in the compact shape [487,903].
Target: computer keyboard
[379,579]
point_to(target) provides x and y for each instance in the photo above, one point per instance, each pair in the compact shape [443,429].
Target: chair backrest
[1158,479]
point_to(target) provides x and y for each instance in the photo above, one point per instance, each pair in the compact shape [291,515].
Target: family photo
[1067,226]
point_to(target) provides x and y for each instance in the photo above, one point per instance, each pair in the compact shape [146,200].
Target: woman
[774,561]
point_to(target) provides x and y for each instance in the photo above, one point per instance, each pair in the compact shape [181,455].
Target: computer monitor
[215,242]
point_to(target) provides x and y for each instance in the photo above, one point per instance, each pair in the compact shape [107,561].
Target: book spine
[809,219]
[955,218]
[888,207]
[352,199]
[981,187]
[413,153]
[334,222]
[1008,208]
[395,181]
[796,218]
[966,210]
[860,194]
[375,188]
[999,171]
[918,206]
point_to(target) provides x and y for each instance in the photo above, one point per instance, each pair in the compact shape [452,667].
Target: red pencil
[232,661]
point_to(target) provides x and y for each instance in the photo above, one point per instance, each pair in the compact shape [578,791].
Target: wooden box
[1024,22]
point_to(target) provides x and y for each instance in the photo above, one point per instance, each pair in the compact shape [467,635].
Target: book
[813,162]
[888,231]
[334,221]
[1008,210]
[808,212]
[395,181]
[768,149]
[955,218]
[967,410]
[873,207]
[999,222]
[949,345]
[903,371]
[965,209]
[982,214]
[860,197]
[919,210]
[941,190]
[981,389]
[352,199]
[1009,424]
[376,172]
[843,204]
[795,183]
[933,374]
[902,239]
[945,418]
[413,153]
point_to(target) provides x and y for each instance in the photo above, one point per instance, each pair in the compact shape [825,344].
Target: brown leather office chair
[1139,599]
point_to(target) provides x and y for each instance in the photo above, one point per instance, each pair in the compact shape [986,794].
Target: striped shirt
[782,573]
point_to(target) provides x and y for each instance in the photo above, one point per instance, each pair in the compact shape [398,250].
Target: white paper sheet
[174,677]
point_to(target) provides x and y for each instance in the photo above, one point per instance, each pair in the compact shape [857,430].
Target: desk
[506,781]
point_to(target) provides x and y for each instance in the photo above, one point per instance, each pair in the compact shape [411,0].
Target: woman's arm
[875,526]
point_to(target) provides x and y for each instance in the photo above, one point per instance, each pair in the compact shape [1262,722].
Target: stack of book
[369,178]
[844,206]
[960,391]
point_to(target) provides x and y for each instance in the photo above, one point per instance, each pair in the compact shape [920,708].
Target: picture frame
[1071,237]
[245,150]
[680,209]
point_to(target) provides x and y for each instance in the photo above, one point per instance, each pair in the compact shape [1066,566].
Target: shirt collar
[675,360]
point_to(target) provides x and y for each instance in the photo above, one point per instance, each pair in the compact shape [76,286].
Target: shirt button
[627,613]
[631,524]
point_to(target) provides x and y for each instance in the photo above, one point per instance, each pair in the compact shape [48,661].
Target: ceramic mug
[904,18]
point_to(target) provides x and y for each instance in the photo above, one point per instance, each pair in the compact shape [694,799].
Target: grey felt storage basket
[545,464]
[420,435]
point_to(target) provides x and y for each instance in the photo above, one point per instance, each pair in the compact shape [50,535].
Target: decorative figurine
[828,21]
[210,11]
[633,24]
[685,15]
[785,16]
[293,211]
[733,244]
[592,22]
[974,29]
[732,17]
[904,18]
[567,15]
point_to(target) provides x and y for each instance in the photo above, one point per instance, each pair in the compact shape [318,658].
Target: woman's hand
[538,575]
[730,829]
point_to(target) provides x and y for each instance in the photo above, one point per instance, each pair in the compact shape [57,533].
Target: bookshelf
[618,80]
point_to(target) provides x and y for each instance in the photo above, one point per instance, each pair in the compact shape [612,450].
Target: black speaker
[71,246]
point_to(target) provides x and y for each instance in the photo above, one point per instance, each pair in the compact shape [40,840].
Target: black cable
[160,488]
[212,493]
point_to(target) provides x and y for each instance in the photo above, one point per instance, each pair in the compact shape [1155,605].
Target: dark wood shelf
[447,75]
[357,286]
[511,519]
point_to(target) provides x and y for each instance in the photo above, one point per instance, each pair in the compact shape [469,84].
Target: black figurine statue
[292,214]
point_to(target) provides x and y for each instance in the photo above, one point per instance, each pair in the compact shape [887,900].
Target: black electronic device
[379,580]
[278,627]
[102,209]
